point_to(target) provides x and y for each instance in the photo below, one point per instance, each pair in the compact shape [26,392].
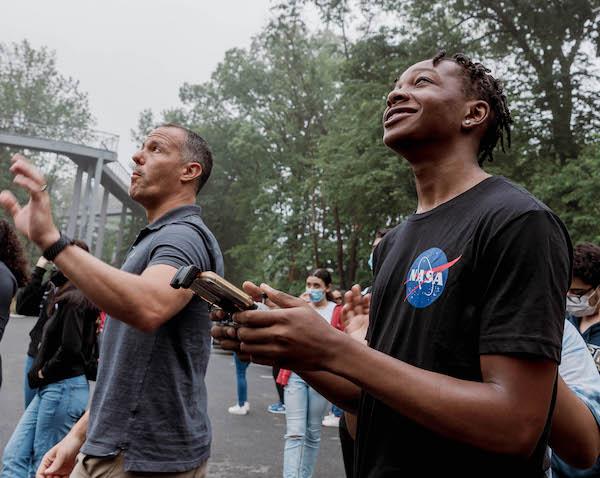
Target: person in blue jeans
[58,374]
[304,412]
[305,407]
[242,407]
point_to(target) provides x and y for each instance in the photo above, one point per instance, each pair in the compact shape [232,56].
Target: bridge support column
[85,213]
[74,208]
[101,225]
[94,199]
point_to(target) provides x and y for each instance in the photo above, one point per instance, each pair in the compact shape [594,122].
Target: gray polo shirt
[150,397]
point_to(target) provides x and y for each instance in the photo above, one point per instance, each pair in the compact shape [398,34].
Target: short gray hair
[196,149]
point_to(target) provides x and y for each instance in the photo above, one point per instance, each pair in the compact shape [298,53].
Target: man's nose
[138,157]
[395,96]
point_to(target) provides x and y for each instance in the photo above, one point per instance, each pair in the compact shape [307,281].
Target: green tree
[263,112]
[547,54]
[301,177]
[547,48]
[366,186]
[37,100]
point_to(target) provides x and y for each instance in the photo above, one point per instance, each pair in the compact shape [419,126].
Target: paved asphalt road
[243,446]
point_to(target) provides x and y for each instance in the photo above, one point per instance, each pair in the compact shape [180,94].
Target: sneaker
[237,410]
[331,421]
[276,408]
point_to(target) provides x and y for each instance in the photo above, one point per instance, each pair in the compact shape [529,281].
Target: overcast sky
[131,54]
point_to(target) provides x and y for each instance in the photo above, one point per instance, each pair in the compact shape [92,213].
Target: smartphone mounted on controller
[215,290]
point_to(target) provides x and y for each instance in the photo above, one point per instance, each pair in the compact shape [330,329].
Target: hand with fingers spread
[292,333]
[355,314]
[34,219]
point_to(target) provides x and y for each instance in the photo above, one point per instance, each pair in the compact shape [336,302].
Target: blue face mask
[316,295]
[370,261]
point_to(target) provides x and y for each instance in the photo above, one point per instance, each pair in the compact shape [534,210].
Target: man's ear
[191,171]
[477,112]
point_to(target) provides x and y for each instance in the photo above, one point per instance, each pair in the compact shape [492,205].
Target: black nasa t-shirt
[484,273]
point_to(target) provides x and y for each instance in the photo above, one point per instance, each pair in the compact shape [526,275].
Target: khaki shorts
[114,467]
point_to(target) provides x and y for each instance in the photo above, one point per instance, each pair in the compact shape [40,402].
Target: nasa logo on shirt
[427,277]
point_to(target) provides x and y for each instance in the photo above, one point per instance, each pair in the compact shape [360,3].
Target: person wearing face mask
[305,407]
[583,298]
[583,309]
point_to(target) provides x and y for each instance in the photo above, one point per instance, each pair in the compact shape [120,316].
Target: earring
[468,122]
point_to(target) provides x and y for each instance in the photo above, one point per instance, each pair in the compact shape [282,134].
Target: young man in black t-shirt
[468,302]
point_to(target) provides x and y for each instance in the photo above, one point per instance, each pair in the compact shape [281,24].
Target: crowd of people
[474,352]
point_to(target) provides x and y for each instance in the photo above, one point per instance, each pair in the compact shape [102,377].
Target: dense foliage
[38,100]
[302,178]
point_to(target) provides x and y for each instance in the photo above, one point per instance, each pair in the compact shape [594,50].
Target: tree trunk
[340,249]
[315,234]
[353,254]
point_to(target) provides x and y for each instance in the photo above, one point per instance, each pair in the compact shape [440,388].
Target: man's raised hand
[35,218]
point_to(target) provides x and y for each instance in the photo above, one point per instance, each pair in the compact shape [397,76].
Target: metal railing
[102,140]
[121,172]
[87,137]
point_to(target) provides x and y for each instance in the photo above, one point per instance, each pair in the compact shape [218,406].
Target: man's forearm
[481,414]
[118,293]
[334,388]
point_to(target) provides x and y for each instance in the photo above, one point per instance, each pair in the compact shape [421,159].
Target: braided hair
[478,83]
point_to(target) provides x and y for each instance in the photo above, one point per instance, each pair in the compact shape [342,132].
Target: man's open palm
[35,219]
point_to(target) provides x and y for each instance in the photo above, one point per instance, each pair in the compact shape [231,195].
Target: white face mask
[579,306]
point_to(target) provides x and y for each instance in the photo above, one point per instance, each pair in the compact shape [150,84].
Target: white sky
[131,54]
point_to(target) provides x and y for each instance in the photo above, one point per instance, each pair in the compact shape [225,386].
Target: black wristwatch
[56,248]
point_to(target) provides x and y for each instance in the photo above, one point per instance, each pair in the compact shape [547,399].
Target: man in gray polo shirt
[149,412]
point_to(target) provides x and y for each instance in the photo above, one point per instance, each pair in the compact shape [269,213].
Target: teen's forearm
[484,415]
[575,435]
[334,388]
[120,294]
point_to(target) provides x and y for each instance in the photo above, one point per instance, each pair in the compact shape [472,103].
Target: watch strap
[55,249]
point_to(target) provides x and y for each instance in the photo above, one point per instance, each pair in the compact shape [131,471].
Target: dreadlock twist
[481,85]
